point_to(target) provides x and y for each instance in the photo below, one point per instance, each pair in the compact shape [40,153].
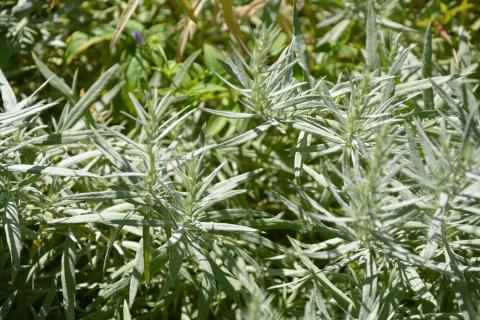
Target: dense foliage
[221,159]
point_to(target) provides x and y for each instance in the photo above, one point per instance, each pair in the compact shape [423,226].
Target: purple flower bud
[138,38]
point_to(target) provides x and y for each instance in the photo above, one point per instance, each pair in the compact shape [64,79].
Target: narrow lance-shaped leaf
[102,195]
[410,88]
[177,80]
[372,45]
[342,300]
[300,48]
[369,307]
[126,311]
[208,285]
[450,102]
[175,254]
[336,252]
[320,302]
[236,69]
[68,278]
[8,96]
[302,142]
[6,305]
[137,273]
[397,65]
[50,171]
[427,67]
[110,218]
[142,114]
[414,154]
[13,235]
[231,183]
[147,245]
[435,230]
[45,307]
[206,182]
[473,230]
[213,226]
[418,286]
[462,292]
[245,137]
[55,81]
[90,96]
[229,114]
[221,279]
[8,118]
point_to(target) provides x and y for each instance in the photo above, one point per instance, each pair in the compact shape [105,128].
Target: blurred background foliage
[73,37]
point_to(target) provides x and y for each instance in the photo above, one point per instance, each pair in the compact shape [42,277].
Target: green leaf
[78,41]
[6,305]
[338,251]
[229,114]
[55,81]
[175,263]
[102,195]
[147,245]
[126,311]
[221,278]
[78,110]
[212,57]
[473,230]
[435,232]
[50,171]
[302,142]
[245,137]
[370,304]
[46,305]
[462,292]
[300,47]
[110,218]
[137,273]
[177,80]
[341,299]
[7,118]
[8,96]
[427,67]
[68,278]
[209,286]
[214,226]
[13,234]
[417,285]
[372,45]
